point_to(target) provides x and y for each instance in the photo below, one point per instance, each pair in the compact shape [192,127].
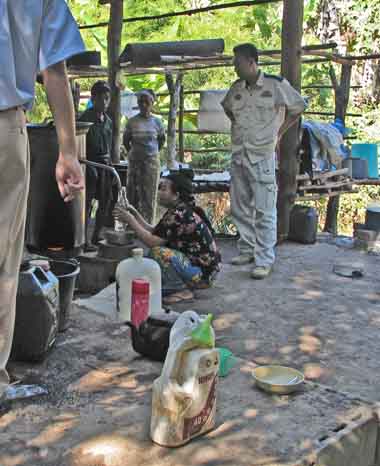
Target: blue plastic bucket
[368,152]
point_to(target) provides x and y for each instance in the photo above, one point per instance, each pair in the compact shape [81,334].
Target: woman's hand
[122,215]
[132,210]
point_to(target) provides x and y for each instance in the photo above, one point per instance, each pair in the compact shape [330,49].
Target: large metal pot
[54,227]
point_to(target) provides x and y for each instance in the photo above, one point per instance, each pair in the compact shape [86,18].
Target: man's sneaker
[260,272]
[243,259]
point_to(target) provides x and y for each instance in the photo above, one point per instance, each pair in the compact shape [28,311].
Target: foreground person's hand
[69,177]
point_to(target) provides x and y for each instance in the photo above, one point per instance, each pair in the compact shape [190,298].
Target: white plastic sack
[184,396]
[211,116]
[129,107]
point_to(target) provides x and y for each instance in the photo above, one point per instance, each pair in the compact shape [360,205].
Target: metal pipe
[102,166]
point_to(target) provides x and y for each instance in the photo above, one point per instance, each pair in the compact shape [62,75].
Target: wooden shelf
[92,71]
[368,182]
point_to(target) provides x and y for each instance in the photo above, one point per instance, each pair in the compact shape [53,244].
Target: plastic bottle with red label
[140,302]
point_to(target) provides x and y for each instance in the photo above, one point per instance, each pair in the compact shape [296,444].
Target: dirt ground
[303,315]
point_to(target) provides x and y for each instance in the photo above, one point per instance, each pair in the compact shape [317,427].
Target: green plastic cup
[227,361]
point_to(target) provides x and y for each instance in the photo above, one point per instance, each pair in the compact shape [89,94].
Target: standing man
[36,37]
[98,149]
[261,108]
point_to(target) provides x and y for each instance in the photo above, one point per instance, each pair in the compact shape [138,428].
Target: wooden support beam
[114,46]
[309,86]
[317,197]
[195,111]
[330,56]
[368,182]
[372,56]
[325,86]
[292,31]
[174,91]
[203,133]
[208,150]
[193,11]
[306,49]
[357,115]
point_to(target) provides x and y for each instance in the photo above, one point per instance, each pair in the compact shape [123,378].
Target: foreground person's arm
[68,171]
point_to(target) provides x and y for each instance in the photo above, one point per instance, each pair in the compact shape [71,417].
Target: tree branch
[182,13]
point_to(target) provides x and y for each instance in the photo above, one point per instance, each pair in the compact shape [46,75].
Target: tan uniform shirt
[258,113]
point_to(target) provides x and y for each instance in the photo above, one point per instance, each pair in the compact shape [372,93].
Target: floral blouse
[185,231]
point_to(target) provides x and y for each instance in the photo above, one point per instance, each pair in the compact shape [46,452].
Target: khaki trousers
[14,185]
[253,193]
[142,185]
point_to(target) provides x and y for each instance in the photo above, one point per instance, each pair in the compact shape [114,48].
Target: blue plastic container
[368,152]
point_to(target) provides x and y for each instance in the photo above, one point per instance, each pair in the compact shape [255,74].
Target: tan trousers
[14,185]
[253,193]
[142,185]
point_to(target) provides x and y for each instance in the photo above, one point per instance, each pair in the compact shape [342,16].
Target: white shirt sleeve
[60,37]
[226,102]
[289,98]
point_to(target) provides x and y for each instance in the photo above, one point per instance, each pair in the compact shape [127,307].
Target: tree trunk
[342,95]
[174,91]
[114,45]
[292,29]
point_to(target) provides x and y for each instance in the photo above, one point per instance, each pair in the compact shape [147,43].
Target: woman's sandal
[178,297]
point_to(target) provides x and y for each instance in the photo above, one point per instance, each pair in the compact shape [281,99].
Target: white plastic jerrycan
[130,269]
[184,396]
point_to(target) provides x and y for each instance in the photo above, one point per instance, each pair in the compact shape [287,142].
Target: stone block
[353,445]
[377,454]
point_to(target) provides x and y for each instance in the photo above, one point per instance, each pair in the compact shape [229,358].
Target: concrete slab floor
[303,315]
[97,413]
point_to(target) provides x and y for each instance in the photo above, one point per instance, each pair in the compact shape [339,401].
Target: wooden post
[180,125]
[174,91]
[342,95]
[75,90]
[114,46]
[292,29]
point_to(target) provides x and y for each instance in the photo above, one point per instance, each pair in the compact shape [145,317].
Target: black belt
[9,109]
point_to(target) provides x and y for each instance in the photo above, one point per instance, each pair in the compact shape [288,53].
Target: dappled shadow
[98,409]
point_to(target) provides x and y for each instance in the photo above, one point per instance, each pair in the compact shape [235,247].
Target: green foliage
[352,208]
[40,111]
[360,24]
